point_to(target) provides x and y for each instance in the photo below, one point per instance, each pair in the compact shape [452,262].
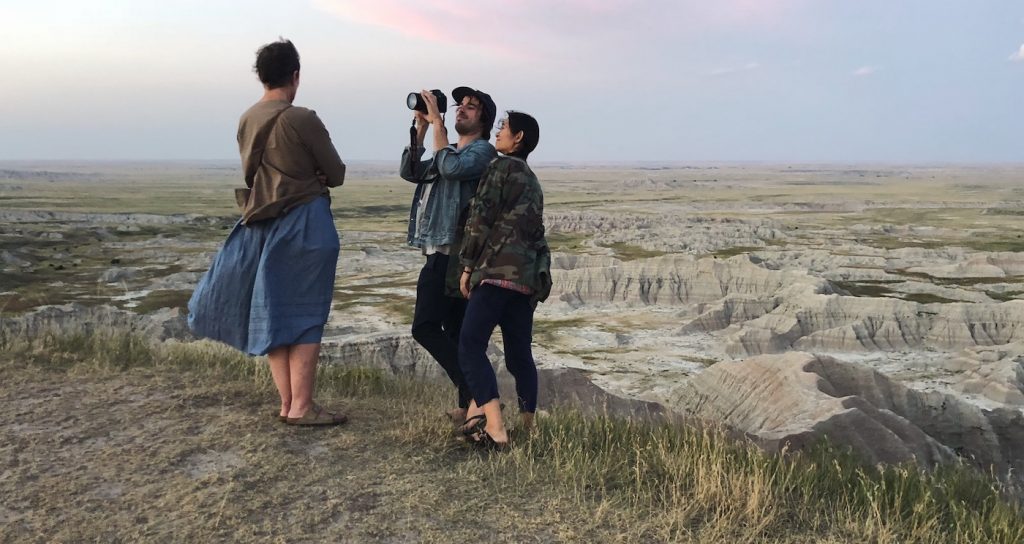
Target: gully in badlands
[882,306]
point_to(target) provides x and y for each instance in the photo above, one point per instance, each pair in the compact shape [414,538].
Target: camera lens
[415,102]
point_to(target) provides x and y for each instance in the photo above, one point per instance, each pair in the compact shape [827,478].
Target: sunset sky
[614,80]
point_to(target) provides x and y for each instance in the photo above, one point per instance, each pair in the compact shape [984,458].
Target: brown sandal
[318,417]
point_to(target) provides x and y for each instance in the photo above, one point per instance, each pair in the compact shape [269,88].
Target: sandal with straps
[473,425]
[317,417]
[486,442]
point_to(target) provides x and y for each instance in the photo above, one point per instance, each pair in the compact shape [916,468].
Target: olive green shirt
[298,148]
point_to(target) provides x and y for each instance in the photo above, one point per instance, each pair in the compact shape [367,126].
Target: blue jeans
[489,307]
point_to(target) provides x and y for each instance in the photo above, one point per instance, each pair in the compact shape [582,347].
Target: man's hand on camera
[421,120]
[433,114]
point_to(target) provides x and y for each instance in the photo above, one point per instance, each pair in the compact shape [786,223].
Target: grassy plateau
[112,438]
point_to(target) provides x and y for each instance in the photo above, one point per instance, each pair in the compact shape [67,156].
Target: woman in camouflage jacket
[506,272]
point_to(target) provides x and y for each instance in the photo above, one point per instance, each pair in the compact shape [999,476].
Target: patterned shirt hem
[508,284]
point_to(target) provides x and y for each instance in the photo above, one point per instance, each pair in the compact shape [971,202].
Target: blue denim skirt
[271,284]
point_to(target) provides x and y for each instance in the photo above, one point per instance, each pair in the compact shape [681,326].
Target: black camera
[415,101]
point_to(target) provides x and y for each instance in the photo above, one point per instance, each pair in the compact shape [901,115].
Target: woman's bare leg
[472,411]
[302,359]
[278,358]
[495,424]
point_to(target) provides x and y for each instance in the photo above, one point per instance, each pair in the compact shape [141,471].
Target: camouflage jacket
[504,236]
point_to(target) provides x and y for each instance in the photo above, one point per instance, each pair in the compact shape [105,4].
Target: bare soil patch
[150,454]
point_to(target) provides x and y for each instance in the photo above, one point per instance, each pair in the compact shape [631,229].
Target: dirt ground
[151,454]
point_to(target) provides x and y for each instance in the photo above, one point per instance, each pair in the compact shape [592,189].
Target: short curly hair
[276,62]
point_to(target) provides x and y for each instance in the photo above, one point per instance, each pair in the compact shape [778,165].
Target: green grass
[865,288]
[171,298]
[119,351]
[979,242]
[544,330]
[995,243]
[1007,296]
[896,242]
[741,250]
[706,361]
[734,251]
[928,298]
[629,252]
[377,218]
[960,282]
[1004,211]
[564,242]
[347,297]
[632,480]
[877,288]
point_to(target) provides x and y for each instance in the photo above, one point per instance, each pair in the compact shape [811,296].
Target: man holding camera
[445,183]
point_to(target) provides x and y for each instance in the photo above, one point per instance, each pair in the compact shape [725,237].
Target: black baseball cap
[490,110]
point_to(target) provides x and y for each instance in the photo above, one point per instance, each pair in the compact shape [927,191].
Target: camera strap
[412,134]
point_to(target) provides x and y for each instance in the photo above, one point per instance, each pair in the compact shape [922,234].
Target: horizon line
[594,162]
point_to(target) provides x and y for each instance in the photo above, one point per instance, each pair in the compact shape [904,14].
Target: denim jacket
[455,174]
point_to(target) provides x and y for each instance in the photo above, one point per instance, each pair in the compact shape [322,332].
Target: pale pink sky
[679,80]
[532,27]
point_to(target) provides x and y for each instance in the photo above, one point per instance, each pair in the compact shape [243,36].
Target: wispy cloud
[426,20]
[864,71]
[1018,56]
[735,69]
[552,23]
[460,24]
[744,11]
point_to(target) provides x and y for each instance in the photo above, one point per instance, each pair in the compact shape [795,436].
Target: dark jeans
[437,320]
[491,306]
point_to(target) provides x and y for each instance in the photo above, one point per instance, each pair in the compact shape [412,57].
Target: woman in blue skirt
[269,289]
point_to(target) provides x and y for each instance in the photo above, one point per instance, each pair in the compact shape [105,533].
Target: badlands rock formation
[792,400]
[674,280]
[917,351]
[995,373]
[834,323]
[952,386]
[566,387]
[662,232]
[758,310]
[990,265]
[394,353]
[119,219]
